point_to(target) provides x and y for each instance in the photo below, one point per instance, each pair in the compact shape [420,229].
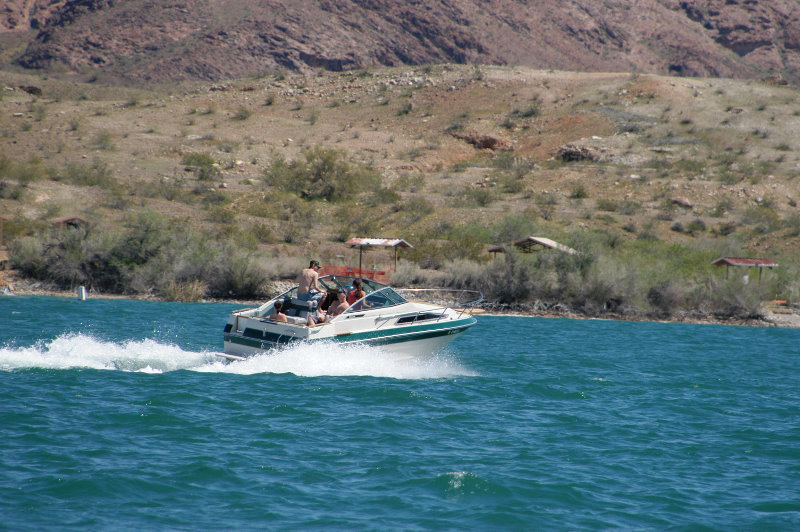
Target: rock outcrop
[175,39]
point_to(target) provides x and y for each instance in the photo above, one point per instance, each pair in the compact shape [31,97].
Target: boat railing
[462,301]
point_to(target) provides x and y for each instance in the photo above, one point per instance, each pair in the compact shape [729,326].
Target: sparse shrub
[103,141]
[185,291]
[262,233]
[241,276]
[23,173]
[762,219]
[792,223]
[12,192]
[512,227]
[321,173]
[454,127]
[96,174]
[607,205]
[414,182]
[721,208]
[579,192]
[481,197]
[665,297]
[696,226]
[204,166]
[691,166]
[413,154]
[725,229]
[216,198]
[417,206]
[383,195]
[219,214]
[511,184]
[735,299]
[532,110]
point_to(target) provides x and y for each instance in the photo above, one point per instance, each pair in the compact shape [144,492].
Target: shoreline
[788,319]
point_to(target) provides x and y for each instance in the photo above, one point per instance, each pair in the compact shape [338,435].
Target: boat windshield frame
[379,299]
[332,283]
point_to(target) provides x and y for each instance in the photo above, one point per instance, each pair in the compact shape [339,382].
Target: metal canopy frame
[361,243]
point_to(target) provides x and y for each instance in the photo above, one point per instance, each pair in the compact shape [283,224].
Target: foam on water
[82,351]
[149,356]
[331,359]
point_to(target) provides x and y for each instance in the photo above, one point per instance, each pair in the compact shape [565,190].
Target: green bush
[241,114]
[480,197]
[198,159]
[103,141]
[666,297]
[512,227]
[607,205]
[762,219]
[97,173]
[532,110]
[151,254]
[321,173]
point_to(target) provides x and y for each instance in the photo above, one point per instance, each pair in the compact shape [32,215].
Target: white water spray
[149,356]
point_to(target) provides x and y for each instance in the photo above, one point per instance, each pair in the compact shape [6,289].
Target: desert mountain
[169,40]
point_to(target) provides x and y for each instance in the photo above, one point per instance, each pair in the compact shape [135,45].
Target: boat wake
[149,356]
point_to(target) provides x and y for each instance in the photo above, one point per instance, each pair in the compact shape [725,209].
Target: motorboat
[406,322]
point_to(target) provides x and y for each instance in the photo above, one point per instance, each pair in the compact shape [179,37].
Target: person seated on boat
[318,317]
[327,300]
[356,293]
[278,315]
[307,283]
[338,306]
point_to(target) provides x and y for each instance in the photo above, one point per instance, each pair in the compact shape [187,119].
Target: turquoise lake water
[116,415]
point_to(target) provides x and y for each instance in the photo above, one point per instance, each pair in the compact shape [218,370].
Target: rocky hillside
[170,40]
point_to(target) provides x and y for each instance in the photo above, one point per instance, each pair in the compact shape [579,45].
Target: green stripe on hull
[441,328]
[386,340]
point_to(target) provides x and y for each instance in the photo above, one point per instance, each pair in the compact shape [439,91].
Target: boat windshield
[385,297]
[335,282]
[332,283]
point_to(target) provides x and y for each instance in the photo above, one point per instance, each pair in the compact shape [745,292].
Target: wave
[150,356]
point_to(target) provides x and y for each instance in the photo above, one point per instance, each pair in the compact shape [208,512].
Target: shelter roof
[531,243]
[378,242]
[69,220]
[746,262]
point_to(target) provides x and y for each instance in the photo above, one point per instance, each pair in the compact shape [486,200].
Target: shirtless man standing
[307,287]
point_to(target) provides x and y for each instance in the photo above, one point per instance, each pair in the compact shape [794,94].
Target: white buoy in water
[82,293]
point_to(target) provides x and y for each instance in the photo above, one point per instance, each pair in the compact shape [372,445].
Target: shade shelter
[361,243]
[535,243]
[72,221]
[742,262]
